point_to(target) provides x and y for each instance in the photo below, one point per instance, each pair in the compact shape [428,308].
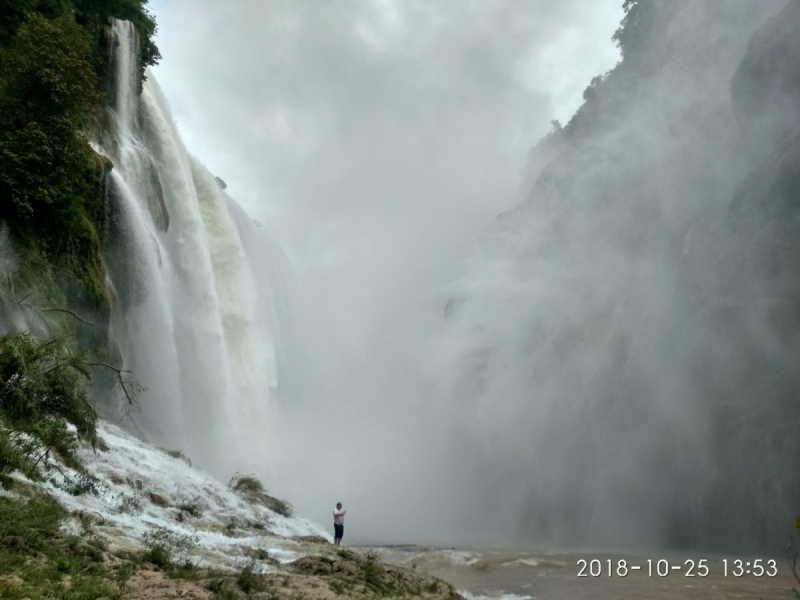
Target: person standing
[338,524]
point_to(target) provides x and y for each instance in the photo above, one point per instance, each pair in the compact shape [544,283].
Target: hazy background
[375,141]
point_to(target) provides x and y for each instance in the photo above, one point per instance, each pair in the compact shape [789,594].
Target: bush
[373,555]
[163,547]
[187,571]
[260,523]
[247,486]
[130,505]
[11,457]
[248,581]
[251,489]
[159,556]
[43,386]
[193,507]
[221,590]
[44,406]
[282,507]
[84,483]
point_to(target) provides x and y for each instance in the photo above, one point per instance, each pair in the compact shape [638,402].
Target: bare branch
[69,312]
[107,366]
[62,269]
[36,313]
[119,378]
[791,555]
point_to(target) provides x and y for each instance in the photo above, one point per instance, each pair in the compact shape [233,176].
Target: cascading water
[195,319]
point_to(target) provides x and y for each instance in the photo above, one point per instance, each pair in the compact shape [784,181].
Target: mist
[558,375]
[621,365]
[375,143]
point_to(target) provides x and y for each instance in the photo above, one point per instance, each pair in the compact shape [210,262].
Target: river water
[516,575]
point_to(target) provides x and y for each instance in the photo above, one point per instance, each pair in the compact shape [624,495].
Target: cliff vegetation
[54,71]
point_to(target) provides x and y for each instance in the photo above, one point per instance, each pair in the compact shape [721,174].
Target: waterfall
[197,312]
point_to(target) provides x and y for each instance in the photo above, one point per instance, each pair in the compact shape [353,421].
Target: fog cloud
[375,141]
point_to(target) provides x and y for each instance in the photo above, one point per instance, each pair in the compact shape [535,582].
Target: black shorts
[338,530]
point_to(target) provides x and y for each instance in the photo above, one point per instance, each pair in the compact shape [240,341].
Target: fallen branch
[35,311]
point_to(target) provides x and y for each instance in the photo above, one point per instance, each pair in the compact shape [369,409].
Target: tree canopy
[54,72]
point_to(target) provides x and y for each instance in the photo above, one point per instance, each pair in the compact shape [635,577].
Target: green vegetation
[38,561]
[53,74]
[46,563]
[43,396]
[163,547]
[248,581]
[193,507]
[222,590]
[130,504]
[251,489]
[246,485]
[354,575]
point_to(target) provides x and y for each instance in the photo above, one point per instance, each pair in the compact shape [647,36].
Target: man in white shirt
[338,524]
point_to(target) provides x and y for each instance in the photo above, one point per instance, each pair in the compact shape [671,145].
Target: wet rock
[158,499]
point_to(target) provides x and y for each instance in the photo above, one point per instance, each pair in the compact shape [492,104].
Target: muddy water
[546,575]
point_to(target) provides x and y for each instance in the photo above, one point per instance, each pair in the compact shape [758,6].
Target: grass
[260,524]
[337,586]
[373,555]
[246,485]
[222,591]
[41,557]
[248,581]
[39,561]
[187,571]
[132,504]
[193,507]
[251,489]
[163,547]
[364,576]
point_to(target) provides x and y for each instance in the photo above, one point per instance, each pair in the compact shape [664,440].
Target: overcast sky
[348,125]
[375,140]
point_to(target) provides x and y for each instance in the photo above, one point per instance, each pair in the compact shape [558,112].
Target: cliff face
[766,95]
[628,330]
[54,76]
[766,86]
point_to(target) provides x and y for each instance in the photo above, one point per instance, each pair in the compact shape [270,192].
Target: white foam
[498,596]
[131,470]
[522,562]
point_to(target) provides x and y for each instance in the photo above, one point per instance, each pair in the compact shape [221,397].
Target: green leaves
[49,180]
[53,63]
[47,73]
[43,387]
